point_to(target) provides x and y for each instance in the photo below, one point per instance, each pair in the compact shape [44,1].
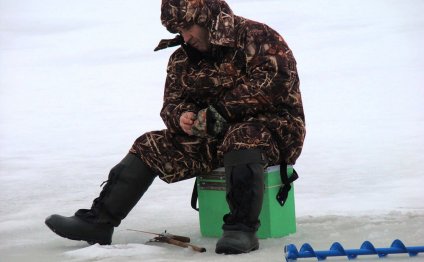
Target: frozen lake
[79,82]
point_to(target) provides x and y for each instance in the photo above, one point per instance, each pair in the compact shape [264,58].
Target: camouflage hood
[215,15]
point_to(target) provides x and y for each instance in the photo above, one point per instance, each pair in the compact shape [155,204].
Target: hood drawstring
[165,43]
[193,54]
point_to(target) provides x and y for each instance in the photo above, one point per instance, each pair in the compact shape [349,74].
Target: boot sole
[233,250]
[89,241]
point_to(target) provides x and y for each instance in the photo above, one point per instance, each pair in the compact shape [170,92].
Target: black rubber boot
[127,183]
[244,171]
[75,228]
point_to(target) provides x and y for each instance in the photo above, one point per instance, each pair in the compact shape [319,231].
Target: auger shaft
[367,248]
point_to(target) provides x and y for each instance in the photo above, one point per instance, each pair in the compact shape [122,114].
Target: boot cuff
[245,156]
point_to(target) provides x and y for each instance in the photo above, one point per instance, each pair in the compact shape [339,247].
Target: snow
[79,82]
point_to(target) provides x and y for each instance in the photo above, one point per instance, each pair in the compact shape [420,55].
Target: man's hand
[186,122]
[209,123]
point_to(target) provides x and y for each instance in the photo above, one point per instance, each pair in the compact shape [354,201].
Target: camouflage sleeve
[271,71]
[174,100]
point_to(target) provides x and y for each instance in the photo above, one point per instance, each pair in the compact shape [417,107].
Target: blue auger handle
[367,248]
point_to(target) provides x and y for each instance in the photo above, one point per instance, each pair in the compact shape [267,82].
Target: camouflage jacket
[250,74]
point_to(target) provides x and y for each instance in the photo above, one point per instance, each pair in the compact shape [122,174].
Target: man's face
[197,37]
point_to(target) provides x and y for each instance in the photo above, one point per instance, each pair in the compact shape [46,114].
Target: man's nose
[186,36]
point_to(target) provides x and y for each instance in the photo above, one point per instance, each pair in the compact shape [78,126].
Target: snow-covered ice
[79,82]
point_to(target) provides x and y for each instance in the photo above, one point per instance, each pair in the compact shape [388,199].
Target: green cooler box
[276,220]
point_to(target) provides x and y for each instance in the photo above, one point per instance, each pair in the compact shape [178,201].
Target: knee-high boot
[127,183]
[244,171]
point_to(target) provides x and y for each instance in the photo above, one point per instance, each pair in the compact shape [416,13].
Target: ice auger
[367,248]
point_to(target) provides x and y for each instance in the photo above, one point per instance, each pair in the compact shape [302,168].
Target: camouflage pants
[174,157]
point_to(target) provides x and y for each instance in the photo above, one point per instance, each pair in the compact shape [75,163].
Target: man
[231,99]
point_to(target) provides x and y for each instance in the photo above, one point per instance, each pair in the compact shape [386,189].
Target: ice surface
[79,81]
